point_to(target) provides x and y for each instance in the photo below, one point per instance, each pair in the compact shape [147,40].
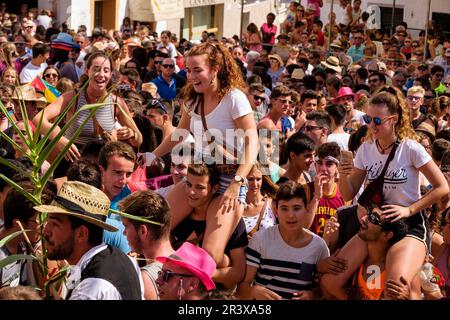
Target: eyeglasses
[168,65]
[19,44]
[311,128]
[438,75]
[413,98]
[53,75]
[414,46]
[376,120]
[313,39]
[258,98]
[285,101]
[374,218]
[167,274]
[419,54]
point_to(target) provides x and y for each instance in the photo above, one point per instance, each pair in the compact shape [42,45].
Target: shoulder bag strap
[389,159]
[258,223]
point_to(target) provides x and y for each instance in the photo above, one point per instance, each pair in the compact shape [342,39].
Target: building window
[386,18]
[443,21]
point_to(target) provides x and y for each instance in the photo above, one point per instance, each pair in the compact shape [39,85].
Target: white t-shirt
[340,138]
[401,183]
[220,122]
[30,71]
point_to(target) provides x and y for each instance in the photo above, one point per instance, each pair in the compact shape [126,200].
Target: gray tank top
[105,116]
[152,270]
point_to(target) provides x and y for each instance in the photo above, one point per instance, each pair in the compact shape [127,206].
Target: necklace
[383,150]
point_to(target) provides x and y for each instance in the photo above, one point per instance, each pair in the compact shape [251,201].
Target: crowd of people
[303,161]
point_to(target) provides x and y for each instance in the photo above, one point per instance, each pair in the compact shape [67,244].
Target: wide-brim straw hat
[82,201]
[332,63]
[28,93]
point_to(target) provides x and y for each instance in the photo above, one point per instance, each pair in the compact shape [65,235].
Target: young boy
[281,260]
[326,169]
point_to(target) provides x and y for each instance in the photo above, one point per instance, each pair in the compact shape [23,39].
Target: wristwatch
[240,179]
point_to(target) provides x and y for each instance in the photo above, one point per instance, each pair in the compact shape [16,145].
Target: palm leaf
[136,218]
[15,257]
[6,239]
[29,196]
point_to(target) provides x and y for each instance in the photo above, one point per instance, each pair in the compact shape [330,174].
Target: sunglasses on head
[167,274]
[374,218]
[376,120]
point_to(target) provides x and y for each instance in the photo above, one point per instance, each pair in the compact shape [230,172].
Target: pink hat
[343,92]
[196,260]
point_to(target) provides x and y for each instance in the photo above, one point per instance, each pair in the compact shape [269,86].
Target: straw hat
[427,129]
[336,44]
[298,74]
[82,201]
[277,57]
[332,62]
[28,93]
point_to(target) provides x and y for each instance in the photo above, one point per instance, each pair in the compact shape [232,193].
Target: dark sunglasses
[157,62]
[414,46]
[386,43]
[438,75]
[374,218]
[258,98]
[168,65]
[376,120]
[53,75]
[311,128]
[418,54]
[167,274]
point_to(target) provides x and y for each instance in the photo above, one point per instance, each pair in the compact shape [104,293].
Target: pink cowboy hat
[343,92]
[196,260]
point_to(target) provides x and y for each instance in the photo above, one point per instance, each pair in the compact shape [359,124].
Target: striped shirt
[282,268]
[104,115]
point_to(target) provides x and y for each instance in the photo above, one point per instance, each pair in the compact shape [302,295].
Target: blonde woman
[9,76]
[8,54]
[389,127]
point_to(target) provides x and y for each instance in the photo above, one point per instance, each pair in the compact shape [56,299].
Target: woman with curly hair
[215,105]
[387,117]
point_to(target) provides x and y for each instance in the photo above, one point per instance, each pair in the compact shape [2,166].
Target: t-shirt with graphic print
[401,181]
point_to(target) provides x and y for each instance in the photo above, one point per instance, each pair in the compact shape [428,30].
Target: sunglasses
[168,65]
[285,101]
[258,98]
[386,43]
[413,98]
[413,46]
[157,62]
[438,75]
[376,120]
[311,128]
[418,54]
[349,130]
[156,104]
[167,274]
[374,218]
[53,75]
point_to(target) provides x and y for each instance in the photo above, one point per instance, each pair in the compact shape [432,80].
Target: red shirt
[328,205]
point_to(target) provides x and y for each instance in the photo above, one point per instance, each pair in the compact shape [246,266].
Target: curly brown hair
[395,101]
[229,75]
